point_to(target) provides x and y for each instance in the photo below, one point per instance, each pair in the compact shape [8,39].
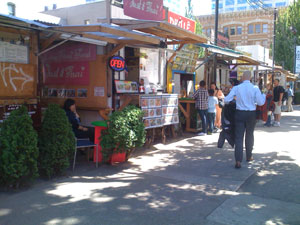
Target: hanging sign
[117,63]
[297,59]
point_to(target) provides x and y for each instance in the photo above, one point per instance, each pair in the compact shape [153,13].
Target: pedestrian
[269,106]
[247,96]
[220,96]
[201,97]
[290,98]
[211,114]
[277,98]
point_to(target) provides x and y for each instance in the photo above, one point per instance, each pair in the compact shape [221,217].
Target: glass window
[257,28]
[225,29]
[232,31]
[208,32]
[242,1]
[229,9]
[265,28]
[280,4]
[11,9]
[86,22]
[229,2]
[250,29]
[203,31]
[239,30]
[242,8]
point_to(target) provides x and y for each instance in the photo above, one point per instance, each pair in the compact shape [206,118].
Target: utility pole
[273,49]
[216,38]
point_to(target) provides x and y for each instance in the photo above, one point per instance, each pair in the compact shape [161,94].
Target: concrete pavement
[187,181]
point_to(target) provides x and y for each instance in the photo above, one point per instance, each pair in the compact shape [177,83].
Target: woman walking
[220,96]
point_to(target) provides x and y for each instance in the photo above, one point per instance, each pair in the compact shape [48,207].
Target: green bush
[297,98]
[18,150]
[125,132]
[56,142]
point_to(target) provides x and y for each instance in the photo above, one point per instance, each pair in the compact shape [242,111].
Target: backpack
[285,96]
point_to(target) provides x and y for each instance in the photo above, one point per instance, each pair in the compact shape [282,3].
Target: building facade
[253,27]
[244,5]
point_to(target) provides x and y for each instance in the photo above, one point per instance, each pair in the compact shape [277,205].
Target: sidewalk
[188,181]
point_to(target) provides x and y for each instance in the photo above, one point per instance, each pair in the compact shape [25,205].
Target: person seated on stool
[74,119]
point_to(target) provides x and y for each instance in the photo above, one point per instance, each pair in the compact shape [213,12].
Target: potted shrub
[56,142]
[18,149]
[125,132]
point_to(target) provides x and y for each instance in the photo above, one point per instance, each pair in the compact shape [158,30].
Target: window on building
[229,2]
[208,32]
[250,29]
[242,8]
[86,22]
[11,9]
[265,43]
[229,9]
[250,42]
[239,30]
[225,29]
[242,1]
[265,28]
[257,42]
[232,30]
[280,4]
[257,28]
[238,43]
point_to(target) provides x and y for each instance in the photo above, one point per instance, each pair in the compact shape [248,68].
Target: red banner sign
[68,73]
[181,21]
[71,52]
[144,9]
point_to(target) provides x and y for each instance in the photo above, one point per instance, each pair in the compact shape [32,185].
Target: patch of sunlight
[4,212]
[262,182]
[274,222]
[163,202]
[123,176]
[142,196]
[157,161]
[66,221]
[264,173]
[209,191]
[256,206]
[76,191]
[124,207]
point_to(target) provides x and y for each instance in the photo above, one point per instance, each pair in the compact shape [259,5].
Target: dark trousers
[211,121]
[244,122]
[90,133]
[203,116]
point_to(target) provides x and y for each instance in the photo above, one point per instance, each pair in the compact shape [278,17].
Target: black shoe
[238,165]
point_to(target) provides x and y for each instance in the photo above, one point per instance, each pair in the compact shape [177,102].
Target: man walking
[201,97]
[247,96]
[290,98]
[277,98]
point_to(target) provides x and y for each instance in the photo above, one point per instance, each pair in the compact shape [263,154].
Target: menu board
[186,58]
[13,53]
[159,110]
[123,86]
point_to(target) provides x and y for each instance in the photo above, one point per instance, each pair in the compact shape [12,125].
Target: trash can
[99,126]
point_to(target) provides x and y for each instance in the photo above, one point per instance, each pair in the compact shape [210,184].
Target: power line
[257,4]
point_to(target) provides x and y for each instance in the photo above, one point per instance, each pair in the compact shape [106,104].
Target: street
[187,181]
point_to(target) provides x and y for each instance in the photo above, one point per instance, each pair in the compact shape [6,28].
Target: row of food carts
[102,66]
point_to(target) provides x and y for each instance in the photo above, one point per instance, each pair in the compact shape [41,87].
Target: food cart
[19,66]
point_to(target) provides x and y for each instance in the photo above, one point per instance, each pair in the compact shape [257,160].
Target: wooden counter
[187,113]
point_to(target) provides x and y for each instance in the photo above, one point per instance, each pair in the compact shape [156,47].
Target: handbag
[221,102]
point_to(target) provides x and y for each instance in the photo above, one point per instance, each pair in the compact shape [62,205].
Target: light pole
[216,39]
[294,31]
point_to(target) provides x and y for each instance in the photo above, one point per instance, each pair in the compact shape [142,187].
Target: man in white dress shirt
[247,97]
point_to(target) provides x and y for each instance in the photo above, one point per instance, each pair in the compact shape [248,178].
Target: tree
[287,32]
[18,149]
[56,142]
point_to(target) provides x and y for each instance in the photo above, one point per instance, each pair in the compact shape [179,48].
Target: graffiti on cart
[10,73]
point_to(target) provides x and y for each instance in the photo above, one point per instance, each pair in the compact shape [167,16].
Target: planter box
[118,158]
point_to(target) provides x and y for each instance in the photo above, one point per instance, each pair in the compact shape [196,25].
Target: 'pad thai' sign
[144,9]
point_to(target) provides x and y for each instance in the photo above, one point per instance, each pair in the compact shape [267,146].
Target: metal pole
[216,38]
[273,49]
[108,12]
[295,48]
